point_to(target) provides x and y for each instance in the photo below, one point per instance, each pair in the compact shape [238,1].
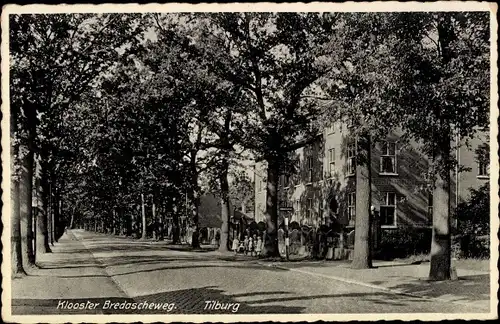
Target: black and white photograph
[268,162]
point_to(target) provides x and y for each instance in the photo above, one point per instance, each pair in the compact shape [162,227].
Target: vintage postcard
[249,162]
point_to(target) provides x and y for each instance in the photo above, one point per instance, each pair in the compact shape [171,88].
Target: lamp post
[287,238]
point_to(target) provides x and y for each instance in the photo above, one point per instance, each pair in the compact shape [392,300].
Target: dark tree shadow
[469,287]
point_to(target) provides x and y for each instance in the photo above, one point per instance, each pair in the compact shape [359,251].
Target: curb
[364,284]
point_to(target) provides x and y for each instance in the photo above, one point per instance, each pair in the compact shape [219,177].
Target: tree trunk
[113,221]
[16,244]
[16,237]
[176,230]
[25,197]
[224,229]
[155,224]
[362,256]
[51,213]
[176,237]
[56,217]
[48,214]
[61,224]
[42,239]
[143,213]
[121,216]
[195,238]
[72,220]
[440,268]
[271,238]
[162,221]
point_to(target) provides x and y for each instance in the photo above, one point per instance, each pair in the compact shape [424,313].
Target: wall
[409,183]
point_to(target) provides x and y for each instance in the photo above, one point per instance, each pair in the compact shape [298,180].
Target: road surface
[107,269]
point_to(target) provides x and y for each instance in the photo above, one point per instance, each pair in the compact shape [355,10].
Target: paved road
[150,273]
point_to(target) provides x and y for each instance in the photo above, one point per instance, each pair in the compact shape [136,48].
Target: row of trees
[109,109]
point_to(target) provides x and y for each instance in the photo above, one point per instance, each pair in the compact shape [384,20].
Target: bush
[404,242]
[471,239]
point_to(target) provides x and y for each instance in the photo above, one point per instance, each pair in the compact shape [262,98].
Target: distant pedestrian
[250,246]
[217,238]
[236,245]
[254,244]
[258,246]
[245,245]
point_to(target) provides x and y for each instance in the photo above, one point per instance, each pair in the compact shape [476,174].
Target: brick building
[324,186]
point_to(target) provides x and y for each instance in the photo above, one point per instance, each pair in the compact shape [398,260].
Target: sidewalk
[70,273]
[472,288]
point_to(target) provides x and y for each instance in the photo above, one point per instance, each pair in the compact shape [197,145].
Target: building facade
[323,186]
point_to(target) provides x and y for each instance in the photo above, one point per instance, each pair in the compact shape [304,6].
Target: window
[483,169]
[330,129]
[309,208]
[309,169]
[331,162]
[284,199]
[388,158]
[351,159]
[388,210]
[351,208]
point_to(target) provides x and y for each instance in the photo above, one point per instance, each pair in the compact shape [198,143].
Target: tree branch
[158,24]
[318,98]
[256,71]
[302,143]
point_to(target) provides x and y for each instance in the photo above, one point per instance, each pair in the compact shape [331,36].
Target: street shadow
[149,263]
[393,265]
[253,267]
[475,287]
[261,293]
[188,248]
[67,265]
[96,246]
